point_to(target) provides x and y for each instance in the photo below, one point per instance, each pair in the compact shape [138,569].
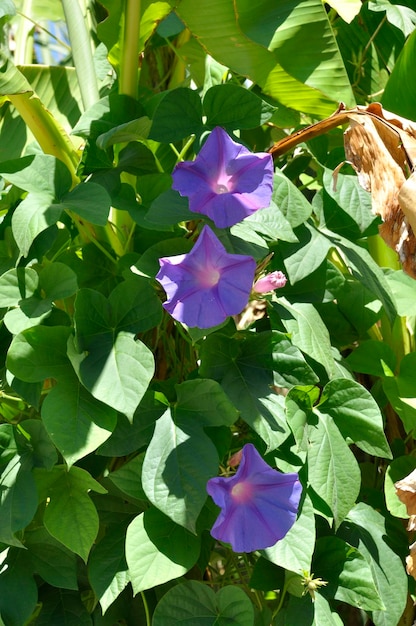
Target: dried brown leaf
[381,146]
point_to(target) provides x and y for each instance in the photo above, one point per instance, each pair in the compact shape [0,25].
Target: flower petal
[208,284]
[226,181]
[261,515]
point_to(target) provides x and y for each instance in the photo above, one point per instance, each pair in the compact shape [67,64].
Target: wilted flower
[406,492]
[311,584]
[272,281]
[208,284]
[410,561]
[258,504]
[226,181]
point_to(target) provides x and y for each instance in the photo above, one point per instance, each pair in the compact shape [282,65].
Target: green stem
[23,54]
[381,253]
[396,334]
[146,609]
[129,63]
[86,235]
[282,597]
[81,52]
[44,30]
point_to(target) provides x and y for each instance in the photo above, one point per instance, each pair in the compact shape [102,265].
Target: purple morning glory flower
[226,181]
[208,284]
[258,504]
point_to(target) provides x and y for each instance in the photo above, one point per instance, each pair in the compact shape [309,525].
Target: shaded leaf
[195,603]
[333,470]
[158,550]
[70,516]
[178,463]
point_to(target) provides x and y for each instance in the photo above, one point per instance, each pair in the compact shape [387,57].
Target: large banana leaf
[269,57]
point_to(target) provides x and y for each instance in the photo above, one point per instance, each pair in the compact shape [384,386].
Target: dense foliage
[134,378]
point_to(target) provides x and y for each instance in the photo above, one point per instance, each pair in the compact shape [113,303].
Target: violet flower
[258,504]
[208,284]
[226,181]
[274,280]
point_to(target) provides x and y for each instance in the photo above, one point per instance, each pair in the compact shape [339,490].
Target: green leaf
[158,550]
[51,560]
[294,551]
[400,391]
[333,471]
[269,222]
[8,446]
[400,16]
[39,353]
[347,9]
[107,566]
[348,208]
[178,115]
[130,131]
[177,465]
[129,437]
[17,284]
[247,378]
[291,202]
[90,201]
[34,442]
[299,403]
[403,288]
[397,470]
[56,86]
[70,516]
[115,367]
[133,306]
[128,478]
[41,174]
[301,36]
[372,357]
[18,500]
[348,574]
[33,215]
[368,273]
[232,107]
[31,313]
[18,590]
[305,611]
[308,332]
[58,281]
[7,8]
[387,568]
[305,256]
[168,209]
[231,47]
[356,414]
[193,603]
[62,606]
[266,575]
[76,421]
[204,402]
[116,372]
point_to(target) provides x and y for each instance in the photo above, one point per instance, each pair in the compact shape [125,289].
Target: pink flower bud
[272,281]
[235,459]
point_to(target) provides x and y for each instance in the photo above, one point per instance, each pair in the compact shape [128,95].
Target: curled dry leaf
[411,561]
[381,146]
[406,492]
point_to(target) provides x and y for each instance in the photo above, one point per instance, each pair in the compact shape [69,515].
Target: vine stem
[129,64]
[146,609]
